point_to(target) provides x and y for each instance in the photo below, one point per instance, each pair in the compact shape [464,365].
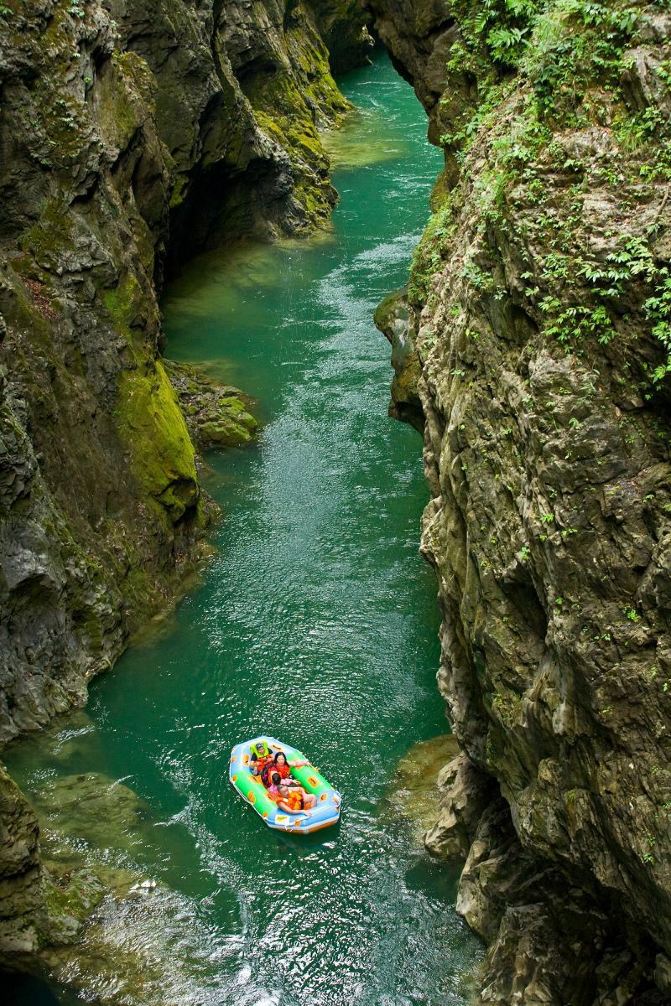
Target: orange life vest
[295,799]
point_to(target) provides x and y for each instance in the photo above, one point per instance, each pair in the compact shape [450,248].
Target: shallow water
[316,623]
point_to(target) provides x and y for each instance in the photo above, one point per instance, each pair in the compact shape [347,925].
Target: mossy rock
[151,424]
[218,415]
[70,896]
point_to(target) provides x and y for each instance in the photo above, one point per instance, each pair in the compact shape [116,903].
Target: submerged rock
[148,951]
[90,808]
[83,915]
[413,793]
[21,903]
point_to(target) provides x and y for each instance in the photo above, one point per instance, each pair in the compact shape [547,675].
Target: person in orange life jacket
[281,765]
[294,799]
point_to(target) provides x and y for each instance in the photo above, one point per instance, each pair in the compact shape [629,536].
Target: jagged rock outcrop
[217,415]
[132,134]
[127,130]
[347,39]
[539,313]
[21,897]
[394,319]
[419,37]
[241,93]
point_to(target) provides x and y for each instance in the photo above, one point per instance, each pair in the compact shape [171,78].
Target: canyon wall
[132,135]
[533,346]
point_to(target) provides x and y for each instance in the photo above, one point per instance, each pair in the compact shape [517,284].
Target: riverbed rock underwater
[530,341]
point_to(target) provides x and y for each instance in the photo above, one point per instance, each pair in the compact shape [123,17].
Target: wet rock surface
[414,791]
[20,872]
[85,915]
[536,307]
[217,415]
[131,136]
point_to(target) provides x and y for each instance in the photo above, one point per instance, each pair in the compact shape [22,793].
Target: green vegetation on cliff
[545,71]
[539,326]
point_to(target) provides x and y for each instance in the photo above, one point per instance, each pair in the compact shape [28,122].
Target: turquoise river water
[315,622]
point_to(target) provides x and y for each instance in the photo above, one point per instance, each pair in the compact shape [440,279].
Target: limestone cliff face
[537,325]
[347,38]
[132,134]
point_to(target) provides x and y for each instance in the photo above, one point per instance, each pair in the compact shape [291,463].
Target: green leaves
[578,42]
[505,44]
[577,322]
[493,36]
[658,310]
[631,261]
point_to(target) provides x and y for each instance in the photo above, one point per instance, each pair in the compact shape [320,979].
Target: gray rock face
[132,135]
[396,322]
[419,36]
[126,130]
[240,92]
[20,889]
[537,311]
[465,794]
[347,39]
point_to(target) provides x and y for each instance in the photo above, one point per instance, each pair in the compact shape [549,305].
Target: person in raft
[294,799]
[274,788]
[284,767]
[261,757]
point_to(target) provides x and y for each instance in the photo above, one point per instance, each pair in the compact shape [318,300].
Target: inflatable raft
[326,811]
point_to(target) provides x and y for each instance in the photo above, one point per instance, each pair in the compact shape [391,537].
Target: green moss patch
[151,424]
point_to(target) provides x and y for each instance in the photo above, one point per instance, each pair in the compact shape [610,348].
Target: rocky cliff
[132,135]
[533,345]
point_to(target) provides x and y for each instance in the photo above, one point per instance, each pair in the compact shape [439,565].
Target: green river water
[316,622]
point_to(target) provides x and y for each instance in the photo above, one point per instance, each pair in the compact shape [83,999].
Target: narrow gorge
[170,233]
